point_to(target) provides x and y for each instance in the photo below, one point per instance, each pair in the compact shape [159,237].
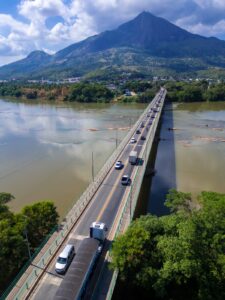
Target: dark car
[125,180]
[143,138]
[138,131]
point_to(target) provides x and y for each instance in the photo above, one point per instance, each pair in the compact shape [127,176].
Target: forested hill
[146,44]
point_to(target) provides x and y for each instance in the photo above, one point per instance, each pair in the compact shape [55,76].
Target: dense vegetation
[195,92]
[143,91]
[89,92]
[13,90]
[179,256]
[31,226]
[33,91]
[137,86]
[79,92]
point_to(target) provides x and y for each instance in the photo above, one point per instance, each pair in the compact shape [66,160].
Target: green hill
[147,45]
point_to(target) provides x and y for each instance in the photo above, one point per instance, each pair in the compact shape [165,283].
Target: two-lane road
[103,207]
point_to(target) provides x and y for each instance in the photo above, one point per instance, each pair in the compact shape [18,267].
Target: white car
[118,165]
[133,141]
[64,259]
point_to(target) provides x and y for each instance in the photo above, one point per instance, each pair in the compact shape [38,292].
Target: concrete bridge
[105,200]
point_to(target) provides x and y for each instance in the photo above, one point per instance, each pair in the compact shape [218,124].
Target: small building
[128,93]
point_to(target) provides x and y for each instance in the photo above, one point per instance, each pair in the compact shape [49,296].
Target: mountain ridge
[133,46]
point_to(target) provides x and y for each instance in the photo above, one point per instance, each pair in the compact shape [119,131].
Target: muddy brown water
[46,149]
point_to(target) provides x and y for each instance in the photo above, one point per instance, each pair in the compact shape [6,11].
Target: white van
[64,259]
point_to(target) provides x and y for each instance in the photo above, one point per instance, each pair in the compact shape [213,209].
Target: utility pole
[28,245]
[26,236]
[130,123]
[116,138]
[92,166]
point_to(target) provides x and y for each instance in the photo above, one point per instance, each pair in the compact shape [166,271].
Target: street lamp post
[92,166]
[26,236]
[28,245]
[130,123]
[116,138]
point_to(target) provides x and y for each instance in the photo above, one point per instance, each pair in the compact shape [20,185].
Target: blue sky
[50,25]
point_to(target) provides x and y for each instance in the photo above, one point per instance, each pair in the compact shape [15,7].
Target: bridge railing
[19,291]
[132,197]
[134,192]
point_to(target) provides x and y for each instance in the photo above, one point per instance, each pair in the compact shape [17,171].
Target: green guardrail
[27,265]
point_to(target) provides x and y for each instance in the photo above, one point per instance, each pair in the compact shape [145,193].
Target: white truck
[77,277]
[133,157]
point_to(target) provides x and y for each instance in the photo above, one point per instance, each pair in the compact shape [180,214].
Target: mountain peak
[38,54]
[145,36]
[147,30]
[145,14]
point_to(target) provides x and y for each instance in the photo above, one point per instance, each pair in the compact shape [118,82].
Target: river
[46,149]
[190,157]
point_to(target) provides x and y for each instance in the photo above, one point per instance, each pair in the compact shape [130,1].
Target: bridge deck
[106,201]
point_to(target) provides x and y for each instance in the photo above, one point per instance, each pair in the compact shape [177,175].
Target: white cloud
[82,18]
[203,29]
[42,9]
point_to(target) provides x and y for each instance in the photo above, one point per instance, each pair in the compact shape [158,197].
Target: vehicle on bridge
[64,259]
[75,281]
[133,157]
[125,180]
[118,165]
[143,138]
[138,131]
[133,141]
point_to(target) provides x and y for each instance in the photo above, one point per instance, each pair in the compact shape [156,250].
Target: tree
[216,93]
[177,201]
[5,198]
[137,86]
[4,210]
[89,92]
[41,218]
[32,94]
[37,220]
[147,96]
[180,256]
[13,251]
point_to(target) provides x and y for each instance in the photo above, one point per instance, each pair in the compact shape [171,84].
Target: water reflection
[45,150]
[165,165]
[198,152]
